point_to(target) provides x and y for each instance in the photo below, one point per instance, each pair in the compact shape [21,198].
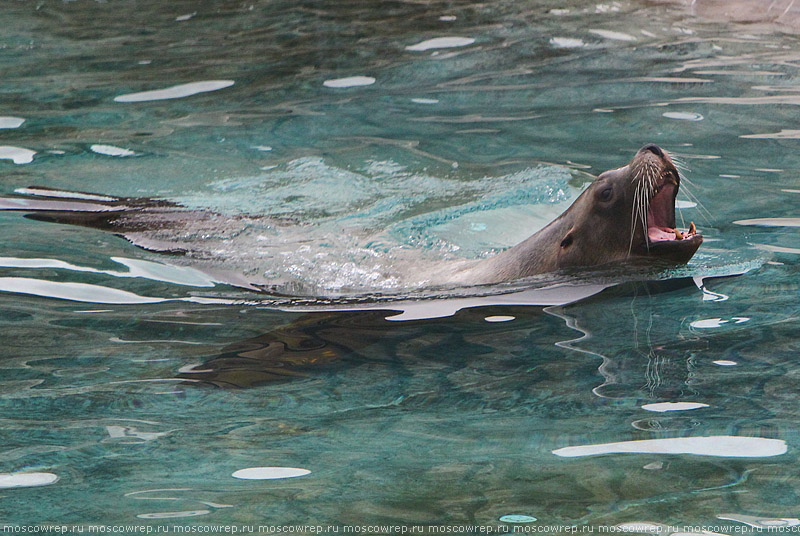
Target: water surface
[351,143]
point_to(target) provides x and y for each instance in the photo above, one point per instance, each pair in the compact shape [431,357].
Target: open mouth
[661,217]
[664,239]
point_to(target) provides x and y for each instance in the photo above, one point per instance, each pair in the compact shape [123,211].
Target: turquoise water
[134,385]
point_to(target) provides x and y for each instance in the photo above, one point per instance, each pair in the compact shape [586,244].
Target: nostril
[653,148]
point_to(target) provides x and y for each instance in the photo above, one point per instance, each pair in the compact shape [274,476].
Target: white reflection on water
[776,249]
[111,150]
[761,522]
[440,308]
[674,406]
[721,446]
[770,222]
[18,155]
[709,295]
[350,81]
[784,134]
[136,268]
[86,293]
[131,432]
[174,494]
[517,518]
[81,292]
[64,195]
[175,92]
[26,480]
[709,323]
[441,42]
[11,122]
[269,473]
[171,515]
[499,318]
[684,116]
[615,36]
[566,42]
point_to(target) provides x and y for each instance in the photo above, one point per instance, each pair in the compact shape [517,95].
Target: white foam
[441,42]
[425,101]
[111,150]
[673,406]
[350,81]
[26,480]
[615,36]
[721,446]
[566,42]
[269,473]
[264,148]
[176,92]
[18,155]
[11,122]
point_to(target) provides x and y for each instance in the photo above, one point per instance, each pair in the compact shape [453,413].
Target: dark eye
[606,194]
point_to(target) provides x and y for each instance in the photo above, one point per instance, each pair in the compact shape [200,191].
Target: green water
[449,153]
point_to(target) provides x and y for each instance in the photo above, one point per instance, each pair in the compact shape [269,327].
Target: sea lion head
[628,214]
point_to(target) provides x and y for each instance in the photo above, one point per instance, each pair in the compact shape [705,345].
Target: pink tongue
[659,234]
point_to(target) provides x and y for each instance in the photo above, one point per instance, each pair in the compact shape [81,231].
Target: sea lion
[625,214]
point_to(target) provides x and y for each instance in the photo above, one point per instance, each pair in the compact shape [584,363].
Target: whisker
[644,207]
[704,213]
[680,163]
[634,211]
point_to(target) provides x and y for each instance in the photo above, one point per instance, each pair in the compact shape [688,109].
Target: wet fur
[593,231]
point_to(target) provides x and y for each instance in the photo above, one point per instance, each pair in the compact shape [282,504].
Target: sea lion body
[625,214]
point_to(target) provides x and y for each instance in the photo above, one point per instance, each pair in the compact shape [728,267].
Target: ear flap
[567,241]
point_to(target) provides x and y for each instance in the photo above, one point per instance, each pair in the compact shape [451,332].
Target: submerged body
[625,214]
